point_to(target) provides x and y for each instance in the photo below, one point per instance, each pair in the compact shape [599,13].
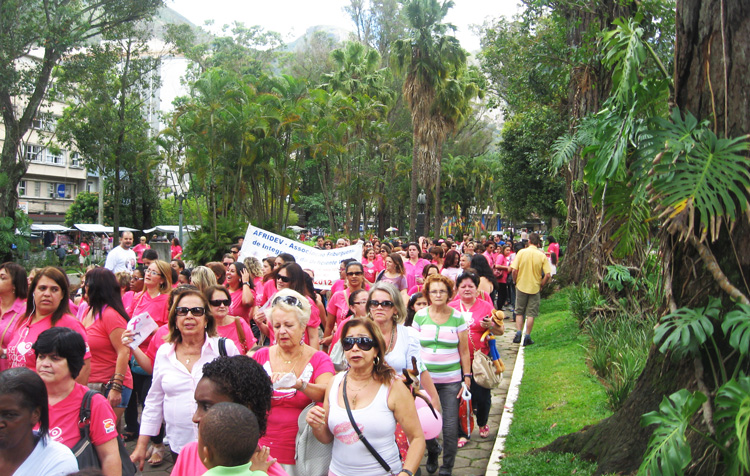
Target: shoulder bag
[312,457]
[84,450]
[483,369]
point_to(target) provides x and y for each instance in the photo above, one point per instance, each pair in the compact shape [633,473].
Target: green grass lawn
[558,395]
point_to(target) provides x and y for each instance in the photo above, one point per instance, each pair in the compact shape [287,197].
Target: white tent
[96,228]
[173,229]
[52,228]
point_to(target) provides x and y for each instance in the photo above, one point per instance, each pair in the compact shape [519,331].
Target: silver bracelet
[304,386]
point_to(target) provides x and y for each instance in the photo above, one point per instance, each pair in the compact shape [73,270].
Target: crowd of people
[247,356]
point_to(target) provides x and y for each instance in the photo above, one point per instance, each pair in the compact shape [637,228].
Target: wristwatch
[407,472]
[246,284]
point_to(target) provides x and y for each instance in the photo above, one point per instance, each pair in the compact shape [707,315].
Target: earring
[377,360]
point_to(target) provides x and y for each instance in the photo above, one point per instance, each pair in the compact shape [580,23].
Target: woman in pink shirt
[105,321]
[228,325]
[371,265]
[13,291]
[48,307]
[414,265]
[176,249]
[157,283]
[237,379]
[242,291]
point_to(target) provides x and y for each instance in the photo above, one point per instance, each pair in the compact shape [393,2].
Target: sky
[292,18]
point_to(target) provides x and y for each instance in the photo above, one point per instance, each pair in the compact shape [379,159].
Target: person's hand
[316,417]
[326,340]
[114,397]
[127,337]
[261,460]
[260,316]
[245,275]
[138,457]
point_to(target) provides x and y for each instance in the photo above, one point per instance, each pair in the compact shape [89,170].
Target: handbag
[84,450]
[312,457]
[483,371]
[362,438]
[466,412]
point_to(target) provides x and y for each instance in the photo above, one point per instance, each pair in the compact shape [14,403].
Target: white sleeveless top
[376,421]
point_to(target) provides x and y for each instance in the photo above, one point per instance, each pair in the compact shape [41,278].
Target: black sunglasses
[219,302]
[355,273]
[364,343]
[290,300]
[195,311]
[385,304]
[284,279]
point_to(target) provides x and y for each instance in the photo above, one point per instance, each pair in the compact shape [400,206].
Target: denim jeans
[449,402]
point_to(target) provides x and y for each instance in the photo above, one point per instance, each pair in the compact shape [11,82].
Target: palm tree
[429,57]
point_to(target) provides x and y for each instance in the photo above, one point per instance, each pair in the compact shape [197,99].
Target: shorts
[527,305]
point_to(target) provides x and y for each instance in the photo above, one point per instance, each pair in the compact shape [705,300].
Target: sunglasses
[355,273]
[220,302]
[364,343]
[195,311]
[284,279]
[385,304]
[290,300]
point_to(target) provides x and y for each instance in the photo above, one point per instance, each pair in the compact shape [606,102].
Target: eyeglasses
[290,300]
[385,304]
[152,272]
[438,292]
[195,311]
[220,302]
[364,343]
[355,273]
[228,263]
[284,279]
[136,278]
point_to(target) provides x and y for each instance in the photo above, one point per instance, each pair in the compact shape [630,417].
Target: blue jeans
[449,402]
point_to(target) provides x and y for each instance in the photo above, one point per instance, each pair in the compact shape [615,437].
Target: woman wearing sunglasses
[227,325]
[443,335]
[338,306]
[191,342]
[292,276]
[299,373]
[378,401]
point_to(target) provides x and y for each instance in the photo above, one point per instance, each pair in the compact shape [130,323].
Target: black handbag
[84,450]
[362,438]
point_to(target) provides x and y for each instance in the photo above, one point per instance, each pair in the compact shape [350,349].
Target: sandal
[157,455]
[462,442]
[484,432]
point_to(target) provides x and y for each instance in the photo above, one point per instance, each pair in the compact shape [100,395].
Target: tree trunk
[618,443]
[413,195]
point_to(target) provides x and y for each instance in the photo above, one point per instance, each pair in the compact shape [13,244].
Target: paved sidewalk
[472,459]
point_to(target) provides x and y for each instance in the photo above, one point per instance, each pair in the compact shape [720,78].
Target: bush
[583,301]
[202,246]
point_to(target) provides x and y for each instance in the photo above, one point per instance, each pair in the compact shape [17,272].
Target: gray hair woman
[299,373]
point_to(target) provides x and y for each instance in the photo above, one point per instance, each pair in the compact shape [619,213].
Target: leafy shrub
[202,246]
[583,300]
[618,278]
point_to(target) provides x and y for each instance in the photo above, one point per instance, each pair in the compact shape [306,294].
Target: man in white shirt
[122,258]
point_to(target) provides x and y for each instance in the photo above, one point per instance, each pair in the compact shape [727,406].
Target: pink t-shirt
[8,323]
[417,288]
[286,405]
[502,261]
[175,250]
[103,354]
[258,284]
[269,289]
[338,285]
[127,299]
[139,249]
[237,308]
[20,353]
[372,268]
[230,332]
[157,340]
[63,419]
[339,305]
[414,270]
[190,464]
[478,311]
[156,307]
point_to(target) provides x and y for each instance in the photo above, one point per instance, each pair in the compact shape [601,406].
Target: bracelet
[467,375]
[246,284]
[406,471]
[121,375]
[303,386]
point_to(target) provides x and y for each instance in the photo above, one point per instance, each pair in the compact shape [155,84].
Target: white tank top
[350,456]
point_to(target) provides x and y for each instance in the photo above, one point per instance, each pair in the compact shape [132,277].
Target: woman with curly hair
[237,379]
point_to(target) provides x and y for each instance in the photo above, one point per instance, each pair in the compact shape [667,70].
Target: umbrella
[392,229]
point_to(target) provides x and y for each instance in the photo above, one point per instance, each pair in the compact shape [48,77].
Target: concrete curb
[493,463]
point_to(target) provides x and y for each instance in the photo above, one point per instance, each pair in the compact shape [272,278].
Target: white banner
[325,263]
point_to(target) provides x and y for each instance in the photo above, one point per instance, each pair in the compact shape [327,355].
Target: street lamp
[180,197]
[422,200]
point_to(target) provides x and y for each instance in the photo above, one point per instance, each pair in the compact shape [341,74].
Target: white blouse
[171,397]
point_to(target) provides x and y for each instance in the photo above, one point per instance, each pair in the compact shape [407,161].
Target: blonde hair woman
[202,278]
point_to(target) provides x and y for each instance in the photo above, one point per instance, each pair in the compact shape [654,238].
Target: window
[56,157]
[70,190]
[75,159]
[22,188]
[44,123]
[37,189]
[51,190]
[33,153]
[90,187]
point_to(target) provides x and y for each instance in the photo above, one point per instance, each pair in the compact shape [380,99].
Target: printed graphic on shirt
[109,425]
[344,432]
[55,433]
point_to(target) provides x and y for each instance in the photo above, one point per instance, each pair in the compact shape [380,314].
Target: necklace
[292,361]
[357,390]
[393,339]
